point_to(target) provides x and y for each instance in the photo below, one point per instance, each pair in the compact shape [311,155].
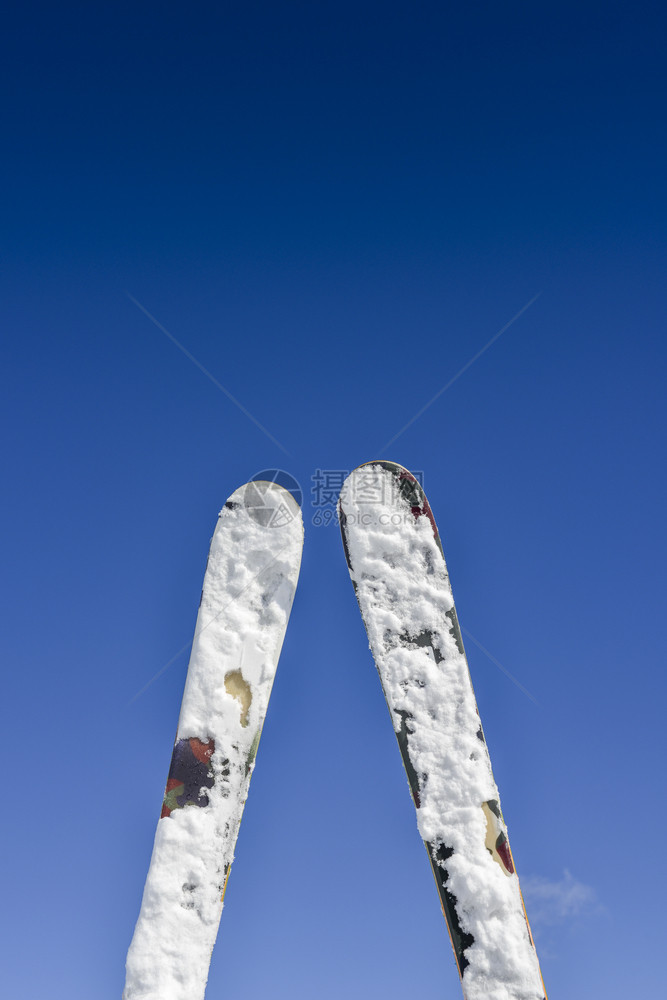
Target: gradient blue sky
[334,207]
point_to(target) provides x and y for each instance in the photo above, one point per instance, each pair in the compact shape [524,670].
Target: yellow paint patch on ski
[240,690]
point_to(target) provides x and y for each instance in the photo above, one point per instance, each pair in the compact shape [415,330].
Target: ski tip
[383,463]
[267,503]
[397,470]
[365,483]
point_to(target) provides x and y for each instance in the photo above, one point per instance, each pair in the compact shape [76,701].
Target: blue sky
[333,208]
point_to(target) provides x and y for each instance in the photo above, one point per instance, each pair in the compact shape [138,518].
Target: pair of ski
[397,566]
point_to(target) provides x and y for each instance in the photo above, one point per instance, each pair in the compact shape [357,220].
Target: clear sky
[333,207]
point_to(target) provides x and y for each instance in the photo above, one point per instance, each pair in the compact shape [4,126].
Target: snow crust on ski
[401,582]
[249,586]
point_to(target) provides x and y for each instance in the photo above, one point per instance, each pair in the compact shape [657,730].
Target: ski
[249,585]
[398,570]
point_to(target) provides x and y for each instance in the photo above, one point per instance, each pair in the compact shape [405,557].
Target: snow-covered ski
[401,582]
[251,576]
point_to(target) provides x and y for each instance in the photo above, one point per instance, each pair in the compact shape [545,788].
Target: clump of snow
[404,592]
[246,600]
